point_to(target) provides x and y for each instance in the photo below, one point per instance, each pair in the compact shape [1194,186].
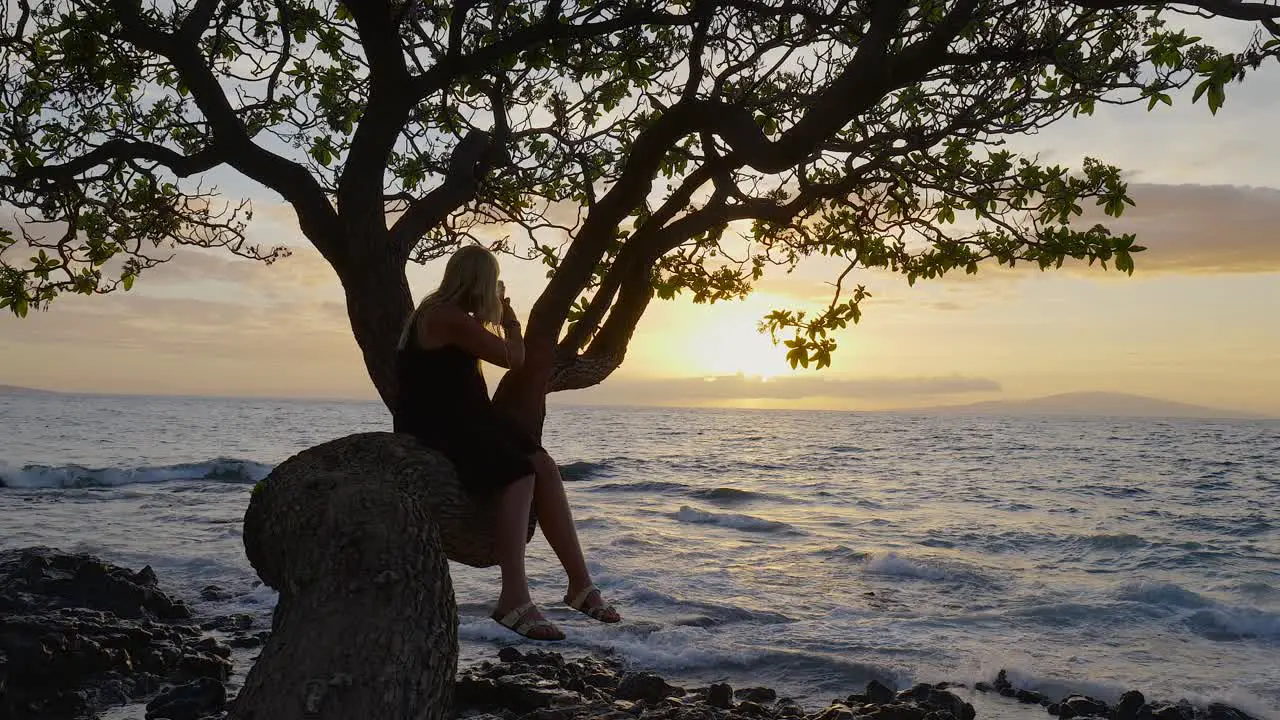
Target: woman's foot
[588,601]
[525,619]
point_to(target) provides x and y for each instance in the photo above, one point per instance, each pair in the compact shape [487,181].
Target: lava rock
[720,696]
[932,699]
[896,711]
[196,664]
[1130,705]
[246,642]
[1218,711]
[1168,711]
[188,702]
[836,711]
[1029,697]
[645,686]
[757,694]
[240,622]
[545,686]
[524,693]
[78,634]
[214,593]
[1082,706]
[62,580]
[878,693]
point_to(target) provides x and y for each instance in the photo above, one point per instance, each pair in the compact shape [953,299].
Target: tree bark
[366,624]
[522,394]
[378,303]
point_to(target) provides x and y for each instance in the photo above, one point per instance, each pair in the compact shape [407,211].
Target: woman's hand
[508,314]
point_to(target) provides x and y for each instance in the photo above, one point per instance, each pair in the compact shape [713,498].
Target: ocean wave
[1234,623]
[77,476]
[1209,618]
[747,523]
[1115,541]
[1162,594]
[697,613]
[726,495]
[653,486]
[583,470]
[891,563]
[841,552]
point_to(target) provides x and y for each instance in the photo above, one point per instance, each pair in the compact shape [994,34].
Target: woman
[443,401]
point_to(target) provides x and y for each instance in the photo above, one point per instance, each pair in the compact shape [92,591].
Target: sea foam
[77,476]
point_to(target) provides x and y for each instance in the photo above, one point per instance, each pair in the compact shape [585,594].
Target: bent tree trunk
[378,303]
[350,534]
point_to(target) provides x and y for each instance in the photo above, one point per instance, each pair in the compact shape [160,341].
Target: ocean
[807,551]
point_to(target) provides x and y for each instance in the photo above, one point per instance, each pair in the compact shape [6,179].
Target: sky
[1199,321]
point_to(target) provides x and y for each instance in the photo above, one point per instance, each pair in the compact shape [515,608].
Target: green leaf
[1217,96]
[1200,90]
[127,281]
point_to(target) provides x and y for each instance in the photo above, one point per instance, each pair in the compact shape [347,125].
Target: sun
[683,339]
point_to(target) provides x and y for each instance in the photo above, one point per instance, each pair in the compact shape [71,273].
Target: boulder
[757,694]
[1129,706]
[645,686]
[42,579]
[878,693]
[1082,706]
[188,702]
[720,696]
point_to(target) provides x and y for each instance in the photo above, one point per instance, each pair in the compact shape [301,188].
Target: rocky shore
[79,636]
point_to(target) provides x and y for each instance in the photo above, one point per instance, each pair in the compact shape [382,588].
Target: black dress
[443,401]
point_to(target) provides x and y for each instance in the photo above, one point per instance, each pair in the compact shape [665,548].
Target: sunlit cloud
[1203,228]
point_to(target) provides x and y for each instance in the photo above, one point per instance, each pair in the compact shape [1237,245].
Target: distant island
[1090,404]
[16,390]
[1077,404]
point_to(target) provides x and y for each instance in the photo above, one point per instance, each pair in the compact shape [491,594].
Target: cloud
[1187,229]
[1202,228]
[742,387]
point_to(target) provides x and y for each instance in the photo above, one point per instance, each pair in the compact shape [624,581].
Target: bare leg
[513,523]
[556,520]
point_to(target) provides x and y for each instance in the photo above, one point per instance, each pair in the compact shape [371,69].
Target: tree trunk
[522,394]
[378,303]
[366,625]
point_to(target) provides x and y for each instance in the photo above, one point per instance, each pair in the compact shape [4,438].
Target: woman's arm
[461,329]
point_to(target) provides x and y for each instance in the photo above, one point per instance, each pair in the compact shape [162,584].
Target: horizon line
[930,410]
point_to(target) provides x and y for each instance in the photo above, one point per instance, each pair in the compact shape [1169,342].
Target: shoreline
[128,649]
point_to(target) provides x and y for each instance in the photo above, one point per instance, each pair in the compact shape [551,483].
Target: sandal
[517,622]
[603,612]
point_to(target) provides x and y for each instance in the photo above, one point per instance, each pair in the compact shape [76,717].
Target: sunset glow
[1195,323]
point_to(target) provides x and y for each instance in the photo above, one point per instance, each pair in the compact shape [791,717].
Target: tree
[638,147]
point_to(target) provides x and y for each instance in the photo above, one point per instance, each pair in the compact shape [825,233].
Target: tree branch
[468,165]
[385,114]
[636,180]
[116,150]
[1233,9]
[548,30]
[198,19]
[315,215]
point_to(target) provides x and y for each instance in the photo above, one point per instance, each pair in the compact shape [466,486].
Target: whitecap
[77,476]
[746,523]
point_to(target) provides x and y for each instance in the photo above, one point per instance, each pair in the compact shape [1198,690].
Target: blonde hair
[470,282]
